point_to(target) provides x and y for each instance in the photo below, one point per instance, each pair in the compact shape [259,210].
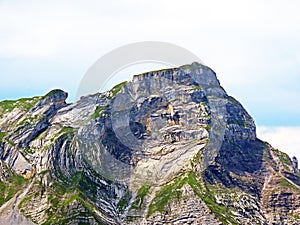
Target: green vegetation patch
[295,216]
[172,192]
[2,135]
[24,200]
[60,208]
[78,181]
[29,150]
[24,104]
[10,142]
[124,201]
[66,193]
[63,194]
[117,88]
[139,200]
[8,105]
[10,187]
[98,112]
[165,195]
[70,199]
[63,131]
[53,92]
[31,119]
[197,87]
[283,157]
[207,194]
[284,182]
[66,130]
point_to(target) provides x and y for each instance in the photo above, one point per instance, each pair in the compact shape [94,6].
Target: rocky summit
[168,147]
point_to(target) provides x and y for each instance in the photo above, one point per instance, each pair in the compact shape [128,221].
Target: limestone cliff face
[168,147]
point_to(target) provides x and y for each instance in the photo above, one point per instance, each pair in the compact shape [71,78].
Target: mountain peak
[170,146]
[194,73]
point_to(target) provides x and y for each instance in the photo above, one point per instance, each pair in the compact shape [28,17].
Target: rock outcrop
[168,147]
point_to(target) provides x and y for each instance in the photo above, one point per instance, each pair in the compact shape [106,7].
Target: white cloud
[33,27]
[286,139]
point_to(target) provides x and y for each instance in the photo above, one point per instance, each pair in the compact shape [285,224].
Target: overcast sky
[253,46]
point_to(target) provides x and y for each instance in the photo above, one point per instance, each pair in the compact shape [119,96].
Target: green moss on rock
[98,112]
[115,90]
[165,195]
[24,200]
[64,195]
[172,192]
[62,205]
[10,187]
[139,200]
[2,135]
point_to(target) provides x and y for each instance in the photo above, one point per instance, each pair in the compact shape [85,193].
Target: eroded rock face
[192,209]
[169,146]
